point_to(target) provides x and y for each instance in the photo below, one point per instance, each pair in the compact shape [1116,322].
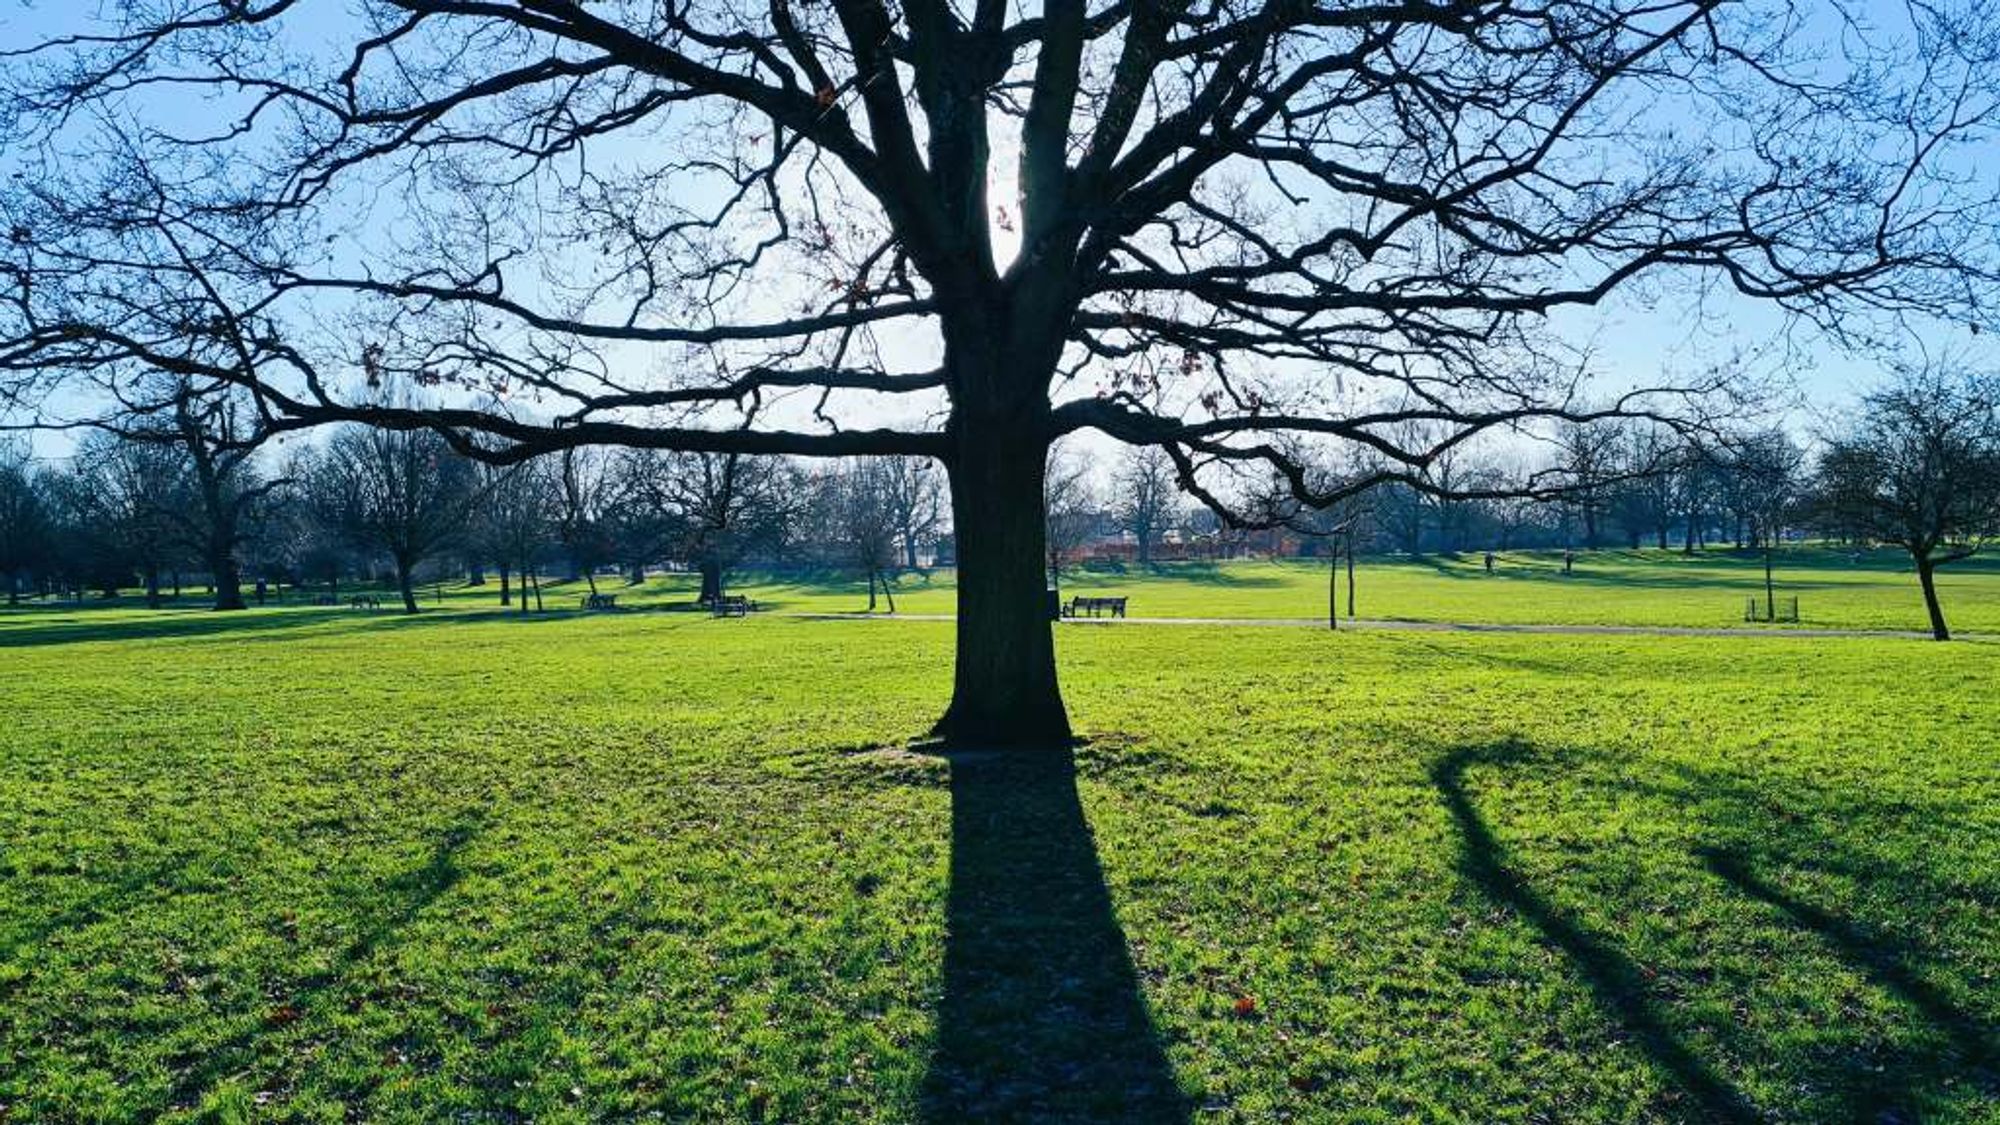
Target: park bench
[1092,607]
[733,605]
[598,601]
[1785,609]
[364,601]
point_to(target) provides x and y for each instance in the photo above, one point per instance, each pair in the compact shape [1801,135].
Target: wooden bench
[732,605]
[598,601]
[364,601]
[1092,607]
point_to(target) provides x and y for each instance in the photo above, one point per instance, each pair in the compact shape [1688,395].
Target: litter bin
[1054,599]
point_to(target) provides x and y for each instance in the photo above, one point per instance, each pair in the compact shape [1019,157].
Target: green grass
[300,865]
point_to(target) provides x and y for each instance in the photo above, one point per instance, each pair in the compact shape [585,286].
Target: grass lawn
[297,865]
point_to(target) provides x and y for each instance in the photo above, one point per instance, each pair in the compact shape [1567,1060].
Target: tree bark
[228,579]
[711,581]
[506,592]
[1350,579]
[403,584]
[1333,589]
[1004,689]
[1927,576]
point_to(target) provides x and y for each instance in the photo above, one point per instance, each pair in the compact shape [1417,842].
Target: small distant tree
[25,524]
[118,498]
[1920,468]
[513,523]
[1148,496]
[915,490]
[583,491]
[213,435]
[866,517]
[1589,459]
[1069,497]
[403,493]
[713,509]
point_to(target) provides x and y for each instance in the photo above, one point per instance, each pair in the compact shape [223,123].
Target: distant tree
[918,502]
[514,521]
[26,524]
[584,487]
[713,509]
[1589,459]
[1649,457]
[213,435]
[1147,497]
[119,500]
[867,525]
[1071,503]
[1920,468]
[403,493]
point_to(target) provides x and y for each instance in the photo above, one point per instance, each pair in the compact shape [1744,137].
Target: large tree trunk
[506,588]
[1927,576]
[1004,690]
[228,579]
[711,582]
[403,584]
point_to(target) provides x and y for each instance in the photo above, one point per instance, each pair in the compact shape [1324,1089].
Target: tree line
[195,490]
[150,505]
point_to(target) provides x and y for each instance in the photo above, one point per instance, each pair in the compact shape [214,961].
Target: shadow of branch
[1613,978]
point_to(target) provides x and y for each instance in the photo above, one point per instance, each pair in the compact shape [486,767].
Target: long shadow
[1614,979]
[384,914]
[167,625]
[1885,961]
[1042,1018]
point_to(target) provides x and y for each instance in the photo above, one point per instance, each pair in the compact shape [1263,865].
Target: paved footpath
[1430,626]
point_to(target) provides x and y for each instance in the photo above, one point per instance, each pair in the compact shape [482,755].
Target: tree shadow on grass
[164,624]
[1042,1018]
[382,916]
[1970,1049]
[1614,978]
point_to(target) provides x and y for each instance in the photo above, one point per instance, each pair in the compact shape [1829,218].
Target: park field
[310,865]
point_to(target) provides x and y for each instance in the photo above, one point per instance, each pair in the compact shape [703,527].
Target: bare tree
[25,520]
[866,511]
[514,520]
[213,435]
[121,496]
[1147,494]
[728,229]
[1071,504]
[1589,461]
[713,509]
[401,492]
[1920,468]
[583,496]
[918,502]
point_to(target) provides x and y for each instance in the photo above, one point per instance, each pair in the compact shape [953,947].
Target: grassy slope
[1706,590]
[292,863]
